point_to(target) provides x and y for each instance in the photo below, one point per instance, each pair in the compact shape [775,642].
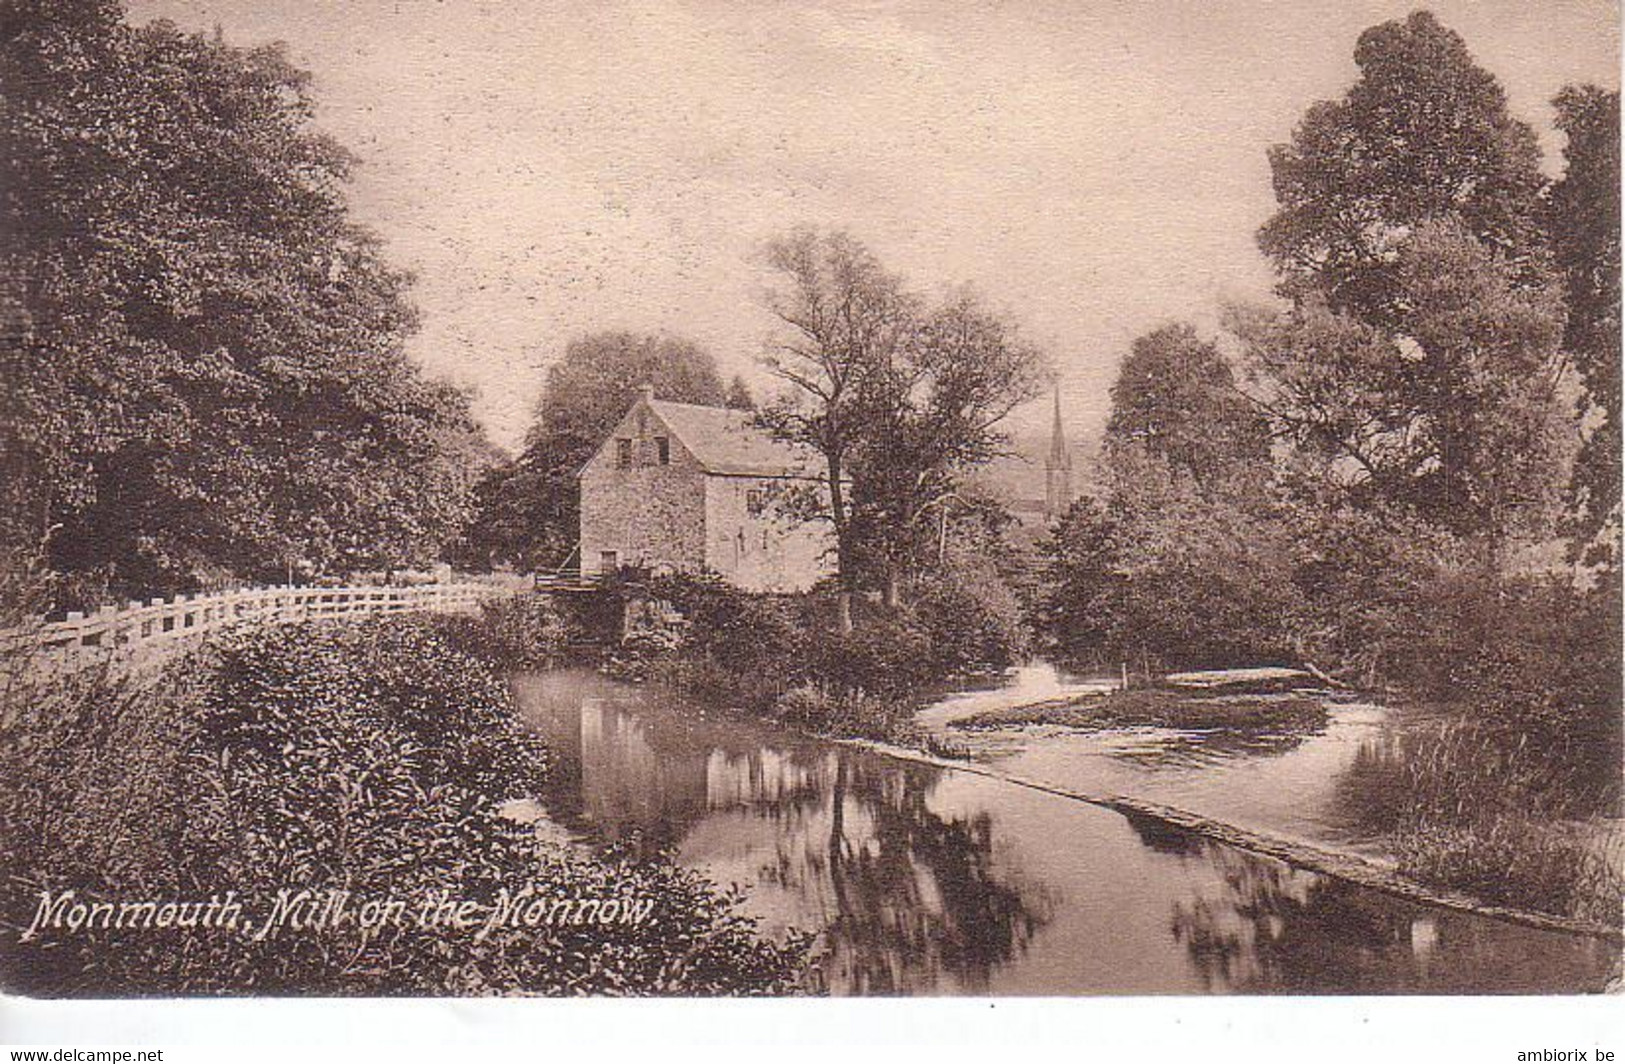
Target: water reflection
[908,898]
[929,881]
[1157,749]
[1279,930]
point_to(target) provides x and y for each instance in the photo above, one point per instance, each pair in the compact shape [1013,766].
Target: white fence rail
[149,631]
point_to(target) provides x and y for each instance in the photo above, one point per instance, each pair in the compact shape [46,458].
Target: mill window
[663,449]
[623,454]
[755,502]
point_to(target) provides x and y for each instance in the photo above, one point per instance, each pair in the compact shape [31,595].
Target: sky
[1093,170]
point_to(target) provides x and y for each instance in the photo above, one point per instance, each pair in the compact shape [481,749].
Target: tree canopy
[1583,212]
[1176,400]
[204,356]
[1423,134]
[898,397]
[1420,364]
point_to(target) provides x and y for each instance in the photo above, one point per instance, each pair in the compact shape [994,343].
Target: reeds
[1493,813]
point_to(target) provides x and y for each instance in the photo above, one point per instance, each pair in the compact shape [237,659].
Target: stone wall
[758,547]
[649,514]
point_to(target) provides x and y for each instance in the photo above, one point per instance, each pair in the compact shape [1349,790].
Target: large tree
[899,399]
[528,510]
[1419,365]
[844,316]
[1423,134]
[1458,419]
[1583,212]
[1176,400]
[203,356]
[930,413]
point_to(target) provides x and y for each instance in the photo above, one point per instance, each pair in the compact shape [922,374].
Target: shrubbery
[971,618]
[373,758]
[784,656]
[523,631]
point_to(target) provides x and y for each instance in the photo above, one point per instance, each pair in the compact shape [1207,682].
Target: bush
[526,630]
[373,758]
[886,654]
[971,618]
[842,711]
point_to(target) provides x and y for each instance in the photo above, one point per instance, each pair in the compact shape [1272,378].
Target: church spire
[1057,467]
[1060,456]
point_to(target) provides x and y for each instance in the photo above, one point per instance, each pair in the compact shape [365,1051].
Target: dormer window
[623,454]
[663,450]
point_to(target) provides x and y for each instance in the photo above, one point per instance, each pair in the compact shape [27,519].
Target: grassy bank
[369,758]
[1161,707]
[1467,805]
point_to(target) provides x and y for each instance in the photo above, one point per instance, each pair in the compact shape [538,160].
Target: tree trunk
[843,546]
[891,596]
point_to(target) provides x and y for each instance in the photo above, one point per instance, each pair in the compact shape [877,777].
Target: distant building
[692,488]
[1058,492]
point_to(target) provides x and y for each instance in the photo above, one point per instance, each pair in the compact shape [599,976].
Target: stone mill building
[683,487]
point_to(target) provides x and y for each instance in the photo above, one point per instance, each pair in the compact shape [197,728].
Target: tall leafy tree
[1457,420]
[932,412]
[528,510]
[1423,134]
[1420,364]
[1176,399]
[203,355]
[844,317]
[1583,213]
[898,398]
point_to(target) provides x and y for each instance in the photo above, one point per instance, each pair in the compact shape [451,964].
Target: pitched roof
[726,442]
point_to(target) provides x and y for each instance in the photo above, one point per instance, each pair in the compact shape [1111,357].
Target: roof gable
[721,441]
[725,441]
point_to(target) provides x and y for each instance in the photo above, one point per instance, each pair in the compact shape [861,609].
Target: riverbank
[347,787]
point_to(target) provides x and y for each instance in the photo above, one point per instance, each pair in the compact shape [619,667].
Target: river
[923,880]
[1284,782]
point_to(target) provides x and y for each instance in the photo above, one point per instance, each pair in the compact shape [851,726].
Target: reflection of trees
[1162,837]
[1275,929]
[909,895]
[917,894]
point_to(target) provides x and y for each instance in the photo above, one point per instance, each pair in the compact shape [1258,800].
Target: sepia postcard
[846,499]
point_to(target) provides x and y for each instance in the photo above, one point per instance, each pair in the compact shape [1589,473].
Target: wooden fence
[142,633]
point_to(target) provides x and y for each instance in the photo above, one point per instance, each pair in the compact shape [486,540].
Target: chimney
[647,391]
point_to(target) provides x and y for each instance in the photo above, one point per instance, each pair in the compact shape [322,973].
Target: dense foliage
[374,758]
[899,399]
[205,377]
[1583,214]
[1443,308]
[787,656]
